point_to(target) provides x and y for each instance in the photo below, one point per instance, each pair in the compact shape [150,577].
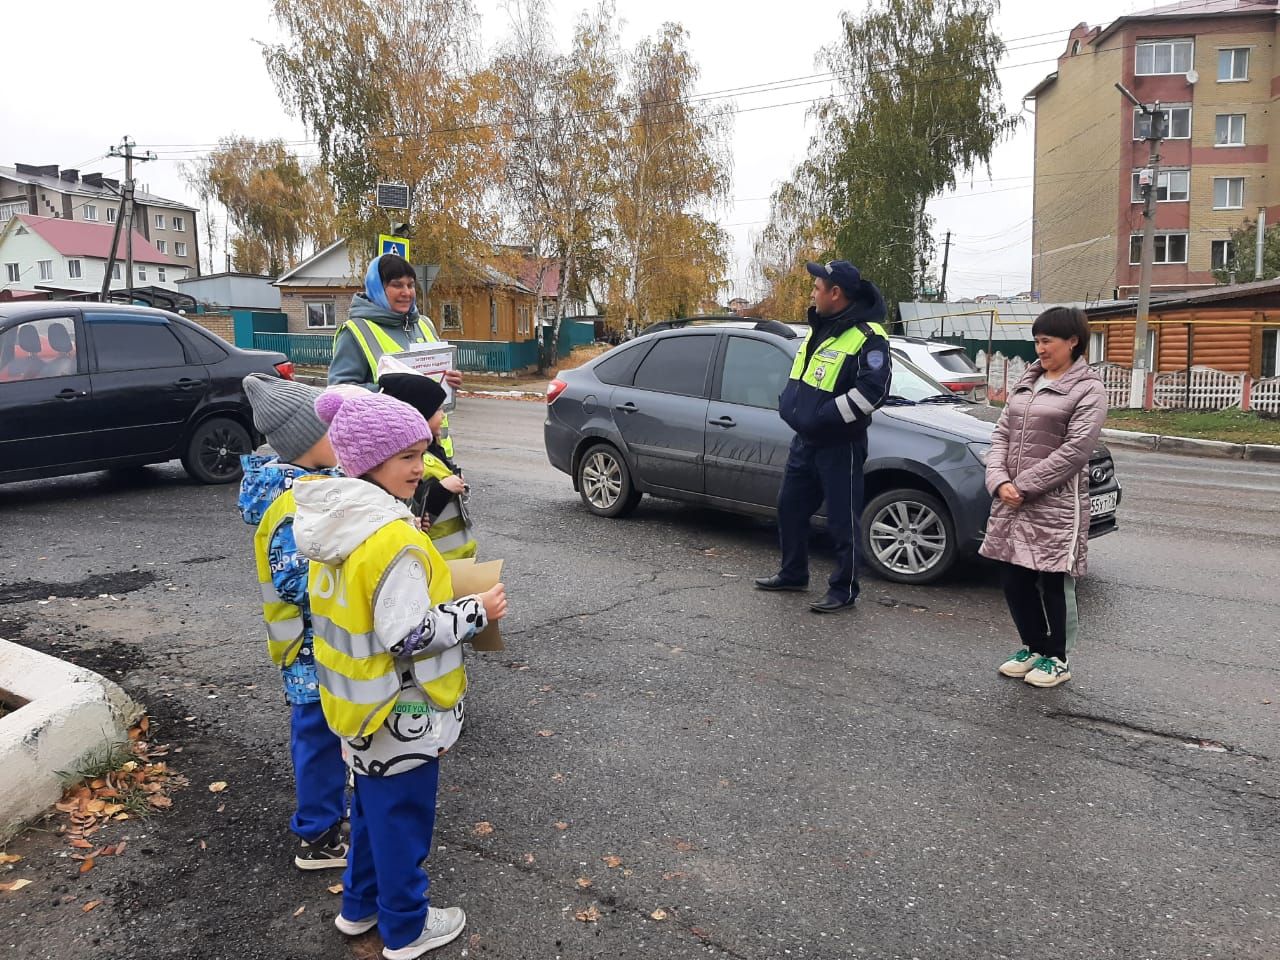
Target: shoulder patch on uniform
[875,359]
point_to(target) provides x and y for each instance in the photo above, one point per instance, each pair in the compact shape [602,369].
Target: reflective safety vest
[359,680]
[285,628]
[823,369]
[450,531]
[374,341]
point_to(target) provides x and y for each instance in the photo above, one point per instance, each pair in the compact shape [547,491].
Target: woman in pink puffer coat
[1037,473]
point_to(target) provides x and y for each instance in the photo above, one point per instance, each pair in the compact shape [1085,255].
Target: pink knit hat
[368,429]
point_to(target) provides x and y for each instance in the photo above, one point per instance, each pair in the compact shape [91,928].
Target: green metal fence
[474,356]
[304,349]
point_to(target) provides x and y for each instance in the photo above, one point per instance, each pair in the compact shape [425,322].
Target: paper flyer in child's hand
[470,578]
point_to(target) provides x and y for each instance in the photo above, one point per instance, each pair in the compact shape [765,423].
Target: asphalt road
[778,784]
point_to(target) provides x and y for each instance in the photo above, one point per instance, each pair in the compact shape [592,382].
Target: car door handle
[627,407]
[723,422]
[66,393]
[186,383]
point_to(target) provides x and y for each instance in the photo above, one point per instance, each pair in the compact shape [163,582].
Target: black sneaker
[327,853]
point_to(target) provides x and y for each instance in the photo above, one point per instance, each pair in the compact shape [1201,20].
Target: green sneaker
[1019,665]
[1048,672]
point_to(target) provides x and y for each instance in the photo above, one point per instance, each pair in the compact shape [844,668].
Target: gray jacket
[1042,445]
[349,364]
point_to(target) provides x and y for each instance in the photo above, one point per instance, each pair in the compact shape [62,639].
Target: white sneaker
[443,926]
[1048,672]
[1020,664]
[353,928]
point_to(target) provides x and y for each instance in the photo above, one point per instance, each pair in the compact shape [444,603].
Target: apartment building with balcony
[1212,65]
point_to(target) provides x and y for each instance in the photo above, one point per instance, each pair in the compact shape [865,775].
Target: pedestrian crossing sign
[389,244]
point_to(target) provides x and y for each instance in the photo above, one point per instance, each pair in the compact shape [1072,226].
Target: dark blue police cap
[842,273]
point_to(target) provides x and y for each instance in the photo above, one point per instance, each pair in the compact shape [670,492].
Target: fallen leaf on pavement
[611,861]
[558,777]
[9,858]
[90,905]
[14,885]
[589,915]
[159,802]
[203,845]
[87,865]
[659,914]
[217,786]
[561,825]
[482,829]
[674,875]
[81,844]
[334,888]
[300,911]
[684,846]
[221,807]
[546,733]
[584,882]
[528,858]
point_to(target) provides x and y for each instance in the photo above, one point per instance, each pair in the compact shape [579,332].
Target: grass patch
[1235,426]
[97,762]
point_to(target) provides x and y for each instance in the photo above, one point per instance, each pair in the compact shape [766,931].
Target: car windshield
[912,384]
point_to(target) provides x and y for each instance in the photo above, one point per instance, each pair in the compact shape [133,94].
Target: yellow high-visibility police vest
[451,530]
[359,679]
[823,369]
[284,619]
[367,334]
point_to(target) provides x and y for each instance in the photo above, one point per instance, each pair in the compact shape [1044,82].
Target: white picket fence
[1210,389]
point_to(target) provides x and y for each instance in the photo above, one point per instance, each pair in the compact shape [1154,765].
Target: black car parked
[91,386]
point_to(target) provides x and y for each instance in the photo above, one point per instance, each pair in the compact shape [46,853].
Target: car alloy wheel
[908,538]
[602,480]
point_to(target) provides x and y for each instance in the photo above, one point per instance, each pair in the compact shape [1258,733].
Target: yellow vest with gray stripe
[359,680]
[284,619]
[450,531]
[823,369]
[374,342]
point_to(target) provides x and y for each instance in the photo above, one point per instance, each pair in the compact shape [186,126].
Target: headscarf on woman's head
[378,276]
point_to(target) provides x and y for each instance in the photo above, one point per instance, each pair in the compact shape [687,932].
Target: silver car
[690,413]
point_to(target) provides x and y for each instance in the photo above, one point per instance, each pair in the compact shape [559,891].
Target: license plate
[1103,504]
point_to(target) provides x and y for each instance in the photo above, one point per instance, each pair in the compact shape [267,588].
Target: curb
[1190,446]
[65,711]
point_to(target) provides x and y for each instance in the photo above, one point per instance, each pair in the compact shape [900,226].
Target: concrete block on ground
[1266,452]
[1202,448]
[65,712]
[1130,438]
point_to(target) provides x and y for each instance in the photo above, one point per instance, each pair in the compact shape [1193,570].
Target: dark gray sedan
[691,414]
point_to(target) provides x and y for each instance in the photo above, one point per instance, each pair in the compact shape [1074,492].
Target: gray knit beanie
[285,411]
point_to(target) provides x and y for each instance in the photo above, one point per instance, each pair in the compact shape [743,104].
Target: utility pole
[1157,120]
[126,150]
[946,255]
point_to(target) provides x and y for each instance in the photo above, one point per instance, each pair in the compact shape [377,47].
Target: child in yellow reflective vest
[284,412]
[441,498]
[388,660]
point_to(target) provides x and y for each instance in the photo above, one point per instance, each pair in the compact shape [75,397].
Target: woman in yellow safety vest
[388,636]
[384,319]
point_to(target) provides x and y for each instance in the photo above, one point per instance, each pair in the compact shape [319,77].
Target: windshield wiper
[945,398]
[896,401]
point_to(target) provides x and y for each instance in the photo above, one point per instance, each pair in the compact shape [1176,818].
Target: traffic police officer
[840,376]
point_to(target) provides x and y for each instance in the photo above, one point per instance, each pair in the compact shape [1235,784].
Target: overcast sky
[195,74]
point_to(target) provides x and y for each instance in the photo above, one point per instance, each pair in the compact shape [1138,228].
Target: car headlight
[980,451]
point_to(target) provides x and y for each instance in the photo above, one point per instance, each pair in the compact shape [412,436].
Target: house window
[13,272]
[1222,255]
[1228,130]
[90,212]
[1170,248]
[180,249]
[1097,346]
[1162,57]
[1075,47]
[321,314]
[74,269]
[522,317]
[46,269]
[1173,186]
[159,221]
[162,246]
[111,214]
[1270,357]
[451,315]
[160,274]
[493,314]
[115,271]
[1178,127]
[142,272]
[178,224]
[11,209]
[1228,193]
[1233,65]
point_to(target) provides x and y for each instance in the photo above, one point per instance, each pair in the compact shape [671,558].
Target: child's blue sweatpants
[319,774]
[392,819]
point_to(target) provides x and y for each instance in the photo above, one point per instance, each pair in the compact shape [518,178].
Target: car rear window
[956,361]
[677,365]
[202,344]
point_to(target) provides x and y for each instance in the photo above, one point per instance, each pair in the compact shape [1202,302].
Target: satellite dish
[1192,77]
